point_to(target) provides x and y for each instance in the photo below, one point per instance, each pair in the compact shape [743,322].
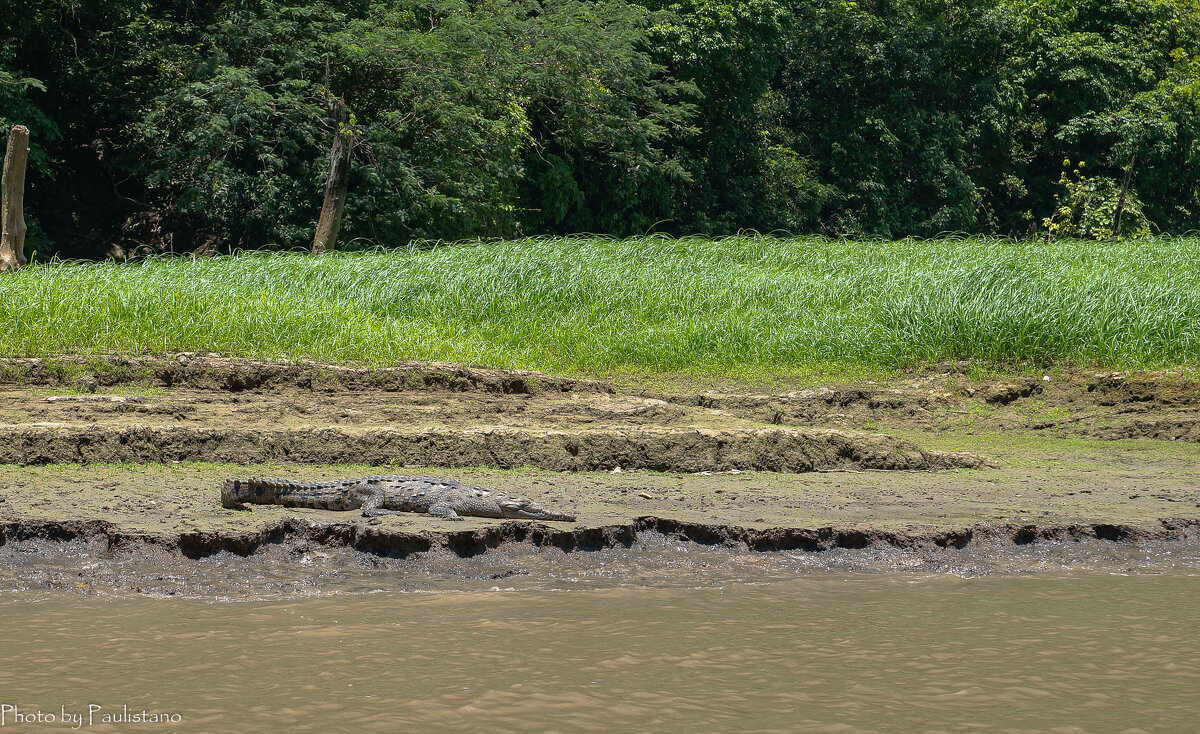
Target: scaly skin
[387,495]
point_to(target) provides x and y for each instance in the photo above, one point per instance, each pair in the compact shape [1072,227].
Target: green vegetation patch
[742,305]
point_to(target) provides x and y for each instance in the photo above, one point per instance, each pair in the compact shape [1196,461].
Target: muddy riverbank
[295,557]
[129,452]
[398,543]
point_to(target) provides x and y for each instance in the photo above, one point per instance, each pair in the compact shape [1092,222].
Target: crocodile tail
[230,491]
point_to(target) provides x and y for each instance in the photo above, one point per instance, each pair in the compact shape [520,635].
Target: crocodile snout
[540,513]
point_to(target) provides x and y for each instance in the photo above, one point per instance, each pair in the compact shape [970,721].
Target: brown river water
[823,651]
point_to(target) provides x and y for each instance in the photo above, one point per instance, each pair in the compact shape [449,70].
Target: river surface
[1090,651]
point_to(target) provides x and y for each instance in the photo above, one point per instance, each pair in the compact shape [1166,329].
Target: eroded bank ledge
[393,543]
[213,372]
[658,449]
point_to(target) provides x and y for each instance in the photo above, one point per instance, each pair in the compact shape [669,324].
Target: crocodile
[387,495]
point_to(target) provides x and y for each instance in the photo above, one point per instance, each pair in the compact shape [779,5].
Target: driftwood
[12,200]
[336,184]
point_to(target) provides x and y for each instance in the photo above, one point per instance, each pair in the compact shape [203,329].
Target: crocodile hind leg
[444,511]
[371,506]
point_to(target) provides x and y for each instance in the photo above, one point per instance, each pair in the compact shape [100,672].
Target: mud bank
[136,449]
[1159,405]
[212,372]
[394,543]
[213,392]
[658,449]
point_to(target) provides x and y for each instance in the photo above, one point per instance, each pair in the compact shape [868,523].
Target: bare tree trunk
[12,200]
[1116,230]
[336,184]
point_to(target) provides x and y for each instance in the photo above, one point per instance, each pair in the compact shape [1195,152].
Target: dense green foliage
[738,305]
[205,124]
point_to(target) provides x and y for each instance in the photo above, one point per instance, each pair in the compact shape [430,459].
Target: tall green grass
[743,304]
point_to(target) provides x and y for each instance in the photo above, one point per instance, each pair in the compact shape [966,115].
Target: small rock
[1005,393]
[86,399]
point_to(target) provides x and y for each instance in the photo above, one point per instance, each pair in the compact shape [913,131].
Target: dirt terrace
[216,392]
[204,409]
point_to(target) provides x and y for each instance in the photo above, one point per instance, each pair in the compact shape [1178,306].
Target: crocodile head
[523,509]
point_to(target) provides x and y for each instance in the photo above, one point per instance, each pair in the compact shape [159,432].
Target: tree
[890,111]
[12,198]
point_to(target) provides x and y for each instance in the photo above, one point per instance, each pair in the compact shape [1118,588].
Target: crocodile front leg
[444,511]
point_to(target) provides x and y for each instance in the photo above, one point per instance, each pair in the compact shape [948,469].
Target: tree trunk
[336,184]
[12,200]
[1116,230]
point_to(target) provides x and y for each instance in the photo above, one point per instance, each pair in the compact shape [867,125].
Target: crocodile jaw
[533,512]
